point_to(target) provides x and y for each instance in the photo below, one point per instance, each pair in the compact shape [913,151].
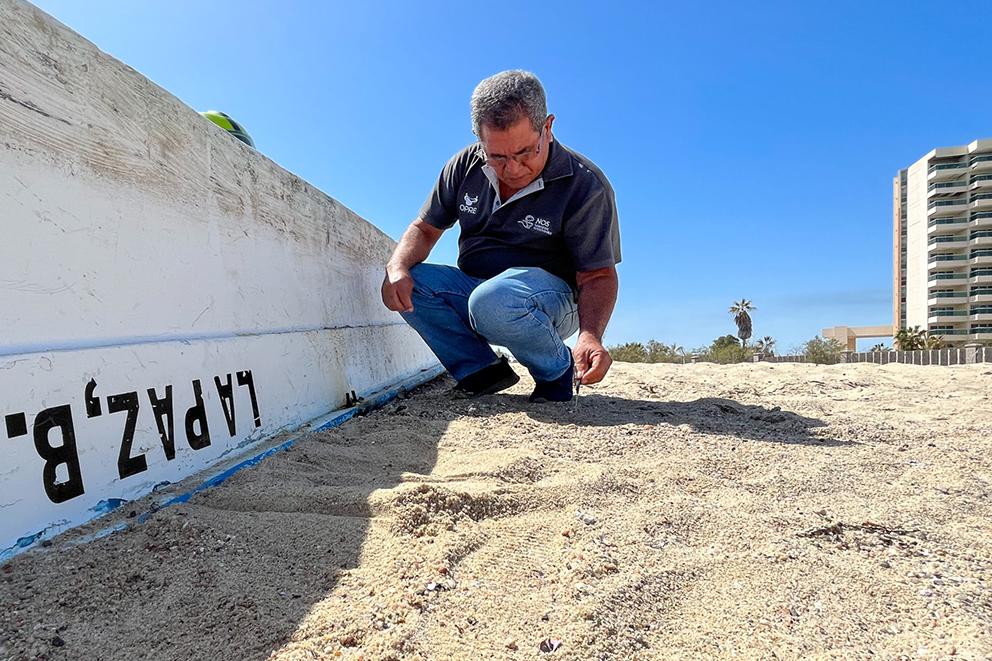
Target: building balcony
[942,332]
[981,163]
[981,260]
[939,188]
[943,280]
[948,242]
[986,317]
[944,171]
[981,333]
[940,207]
[977,298]
[947,298]
[946,261]
[980,241]
[947,225]
[980,280]
[983,202]
[947,316]
[982,181]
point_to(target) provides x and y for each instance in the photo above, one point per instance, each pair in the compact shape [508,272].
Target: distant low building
[942,243]
[849,336]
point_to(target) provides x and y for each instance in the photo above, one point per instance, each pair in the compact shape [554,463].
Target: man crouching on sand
[536,256]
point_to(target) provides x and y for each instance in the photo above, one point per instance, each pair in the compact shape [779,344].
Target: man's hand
[413,248]
[592,360]
[397,290]
[597,295]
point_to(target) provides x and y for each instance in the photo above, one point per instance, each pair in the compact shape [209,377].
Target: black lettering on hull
[226,393]
[164,420]
[126,464]
[246,379]
[58,417]
[197,415]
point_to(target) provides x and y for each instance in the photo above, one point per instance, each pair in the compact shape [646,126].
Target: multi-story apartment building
[899,250]
[942,244]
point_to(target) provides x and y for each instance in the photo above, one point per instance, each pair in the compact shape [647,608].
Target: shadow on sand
[234,573]
[709,415]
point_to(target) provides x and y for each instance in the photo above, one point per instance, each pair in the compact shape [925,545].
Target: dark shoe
[559,390]
[496,377]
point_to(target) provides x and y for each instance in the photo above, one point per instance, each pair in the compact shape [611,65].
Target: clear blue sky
[751,145]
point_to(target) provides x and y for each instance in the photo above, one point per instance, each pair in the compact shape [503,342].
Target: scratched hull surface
[169,295]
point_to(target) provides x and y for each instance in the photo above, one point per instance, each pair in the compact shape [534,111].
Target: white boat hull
[168,296]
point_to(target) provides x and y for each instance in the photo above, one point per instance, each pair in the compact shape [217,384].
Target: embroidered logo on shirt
[529,222]
[469,206]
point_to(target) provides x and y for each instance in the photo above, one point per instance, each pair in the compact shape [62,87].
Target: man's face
[518,154]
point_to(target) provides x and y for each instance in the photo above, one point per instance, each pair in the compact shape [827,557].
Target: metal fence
[781,359]
[955,356]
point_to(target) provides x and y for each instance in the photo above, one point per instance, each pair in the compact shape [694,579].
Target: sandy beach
[700,511]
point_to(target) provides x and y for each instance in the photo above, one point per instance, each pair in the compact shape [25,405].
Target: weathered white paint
[140,247]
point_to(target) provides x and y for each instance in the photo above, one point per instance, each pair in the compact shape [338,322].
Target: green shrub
[631,352]
[725,355]
[823,351]
[724,350]
[725,342]
[653,352]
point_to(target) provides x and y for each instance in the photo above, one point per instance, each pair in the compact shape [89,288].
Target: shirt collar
[559,163]
[532,187]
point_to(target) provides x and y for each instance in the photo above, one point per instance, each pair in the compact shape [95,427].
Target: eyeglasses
[521,156]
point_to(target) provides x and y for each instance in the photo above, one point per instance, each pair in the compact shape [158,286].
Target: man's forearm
[597,296]
[414,246]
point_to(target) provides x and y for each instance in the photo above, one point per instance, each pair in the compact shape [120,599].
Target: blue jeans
[527,310]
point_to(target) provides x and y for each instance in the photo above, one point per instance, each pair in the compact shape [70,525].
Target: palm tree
[911,339]
[933,341]
[766,345]
[740,310]
[902,339]
[878,348]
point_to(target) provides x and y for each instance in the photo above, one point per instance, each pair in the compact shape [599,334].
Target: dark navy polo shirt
[564,221]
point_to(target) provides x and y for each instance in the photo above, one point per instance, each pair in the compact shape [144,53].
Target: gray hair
[502,100]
